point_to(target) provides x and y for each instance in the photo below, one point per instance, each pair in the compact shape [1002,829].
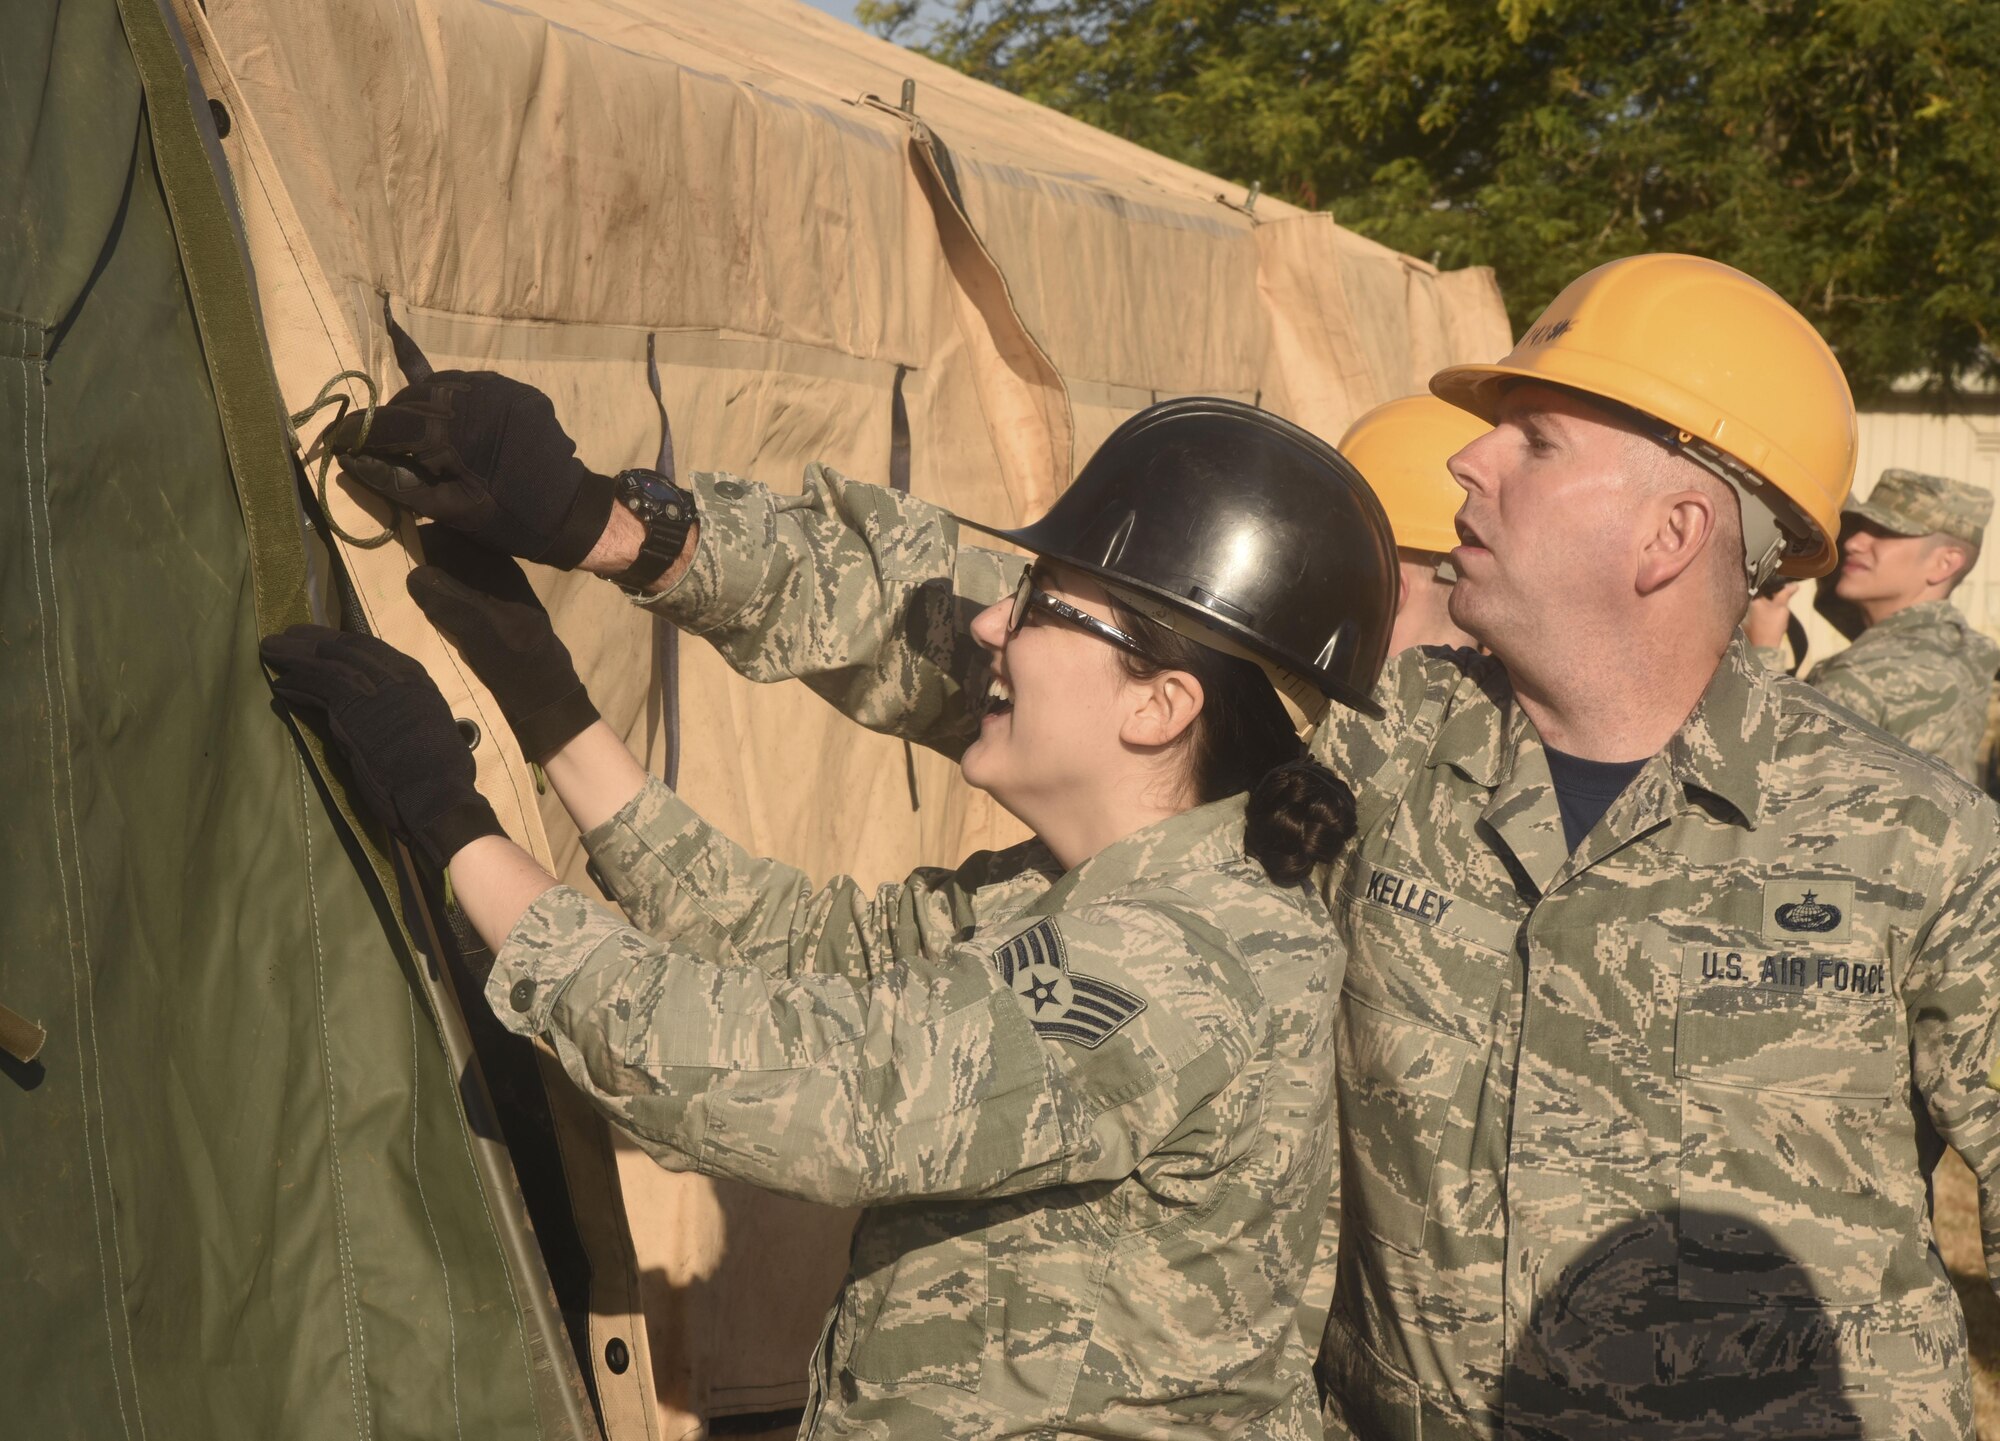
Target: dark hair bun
[1298,817]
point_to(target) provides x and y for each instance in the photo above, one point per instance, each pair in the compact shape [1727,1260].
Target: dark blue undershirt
[1586,789]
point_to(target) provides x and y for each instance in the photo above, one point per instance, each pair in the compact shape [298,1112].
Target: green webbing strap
[239,364]
[232,340]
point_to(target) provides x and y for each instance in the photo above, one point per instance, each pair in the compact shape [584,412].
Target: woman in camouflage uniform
[1082,1086]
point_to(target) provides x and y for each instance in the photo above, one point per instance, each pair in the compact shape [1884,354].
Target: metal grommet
[617,1356]
[215,108]
[468,731]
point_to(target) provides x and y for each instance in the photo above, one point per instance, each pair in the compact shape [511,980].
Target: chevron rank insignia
[1061,1004]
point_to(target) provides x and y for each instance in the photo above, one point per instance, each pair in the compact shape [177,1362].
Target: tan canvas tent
[743,236]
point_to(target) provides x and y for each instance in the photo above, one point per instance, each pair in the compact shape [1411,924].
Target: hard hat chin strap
[1761,507]
[1762,570]
[1773,528]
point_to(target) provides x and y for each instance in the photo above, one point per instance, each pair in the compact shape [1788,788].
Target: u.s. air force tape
[1061,1003]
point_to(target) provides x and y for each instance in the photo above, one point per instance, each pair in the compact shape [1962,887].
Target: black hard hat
[1244,532]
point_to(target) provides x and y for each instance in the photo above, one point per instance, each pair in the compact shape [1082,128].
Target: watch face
[650,493]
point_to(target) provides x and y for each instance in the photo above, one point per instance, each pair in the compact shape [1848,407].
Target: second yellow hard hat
[1400,448]
[1720,358]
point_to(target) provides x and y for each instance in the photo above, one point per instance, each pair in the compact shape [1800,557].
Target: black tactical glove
[484,603]
[409,762]
[483,454]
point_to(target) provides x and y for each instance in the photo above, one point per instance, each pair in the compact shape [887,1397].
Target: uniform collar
[1200,839]
[1726,746]
[1722,748]
[1481,727]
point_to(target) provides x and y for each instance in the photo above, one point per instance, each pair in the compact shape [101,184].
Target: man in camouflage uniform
[1919,670]
[1637,1107]
[1639,1093]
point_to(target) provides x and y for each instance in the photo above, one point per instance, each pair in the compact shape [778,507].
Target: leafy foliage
[1846,152]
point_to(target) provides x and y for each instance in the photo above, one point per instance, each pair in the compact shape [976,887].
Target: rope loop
[321,452]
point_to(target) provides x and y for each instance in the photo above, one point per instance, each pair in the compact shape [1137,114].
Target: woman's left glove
[484,603]
[409,761]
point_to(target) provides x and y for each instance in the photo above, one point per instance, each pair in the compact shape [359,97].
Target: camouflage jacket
[1924,675]
[1089,1114]
[1635,1140]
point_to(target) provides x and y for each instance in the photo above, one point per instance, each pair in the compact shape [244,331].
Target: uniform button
[522,996]
[616,1356]
[729,490]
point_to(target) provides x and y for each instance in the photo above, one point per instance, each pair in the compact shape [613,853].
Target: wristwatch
[666,511]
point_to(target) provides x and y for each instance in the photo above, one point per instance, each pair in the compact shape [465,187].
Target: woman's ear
[1164,706]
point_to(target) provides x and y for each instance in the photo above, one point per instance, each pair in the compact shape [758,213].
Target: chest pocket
[1798,1182]
[1424,968]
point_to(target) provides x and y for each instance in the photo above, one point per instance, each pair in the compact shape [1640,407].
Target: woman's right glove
[484,603]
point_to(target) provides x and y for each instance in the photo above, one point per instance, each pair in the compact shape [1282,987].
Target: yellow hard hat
[1400,448]
[1742,378]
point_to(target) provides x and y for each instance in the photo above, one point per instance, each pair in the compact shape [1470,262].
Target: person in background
[1919,670]
[1401,448]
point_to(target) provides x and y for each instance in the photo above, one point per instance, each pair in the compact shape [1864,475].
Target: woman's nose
[989,627]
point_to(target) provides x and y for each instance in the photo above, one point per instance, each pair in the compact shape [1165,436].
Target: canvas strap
[247,400]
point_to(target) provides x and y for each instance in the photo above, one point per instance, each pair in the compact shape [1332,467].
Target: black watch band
[666,511]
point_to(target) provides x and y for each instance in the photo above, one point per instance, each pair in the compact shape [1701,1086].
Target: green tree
[1846,152]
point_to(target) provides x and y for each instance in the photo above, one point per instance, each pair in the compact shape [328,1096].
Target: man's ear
[1685,527]
[1164,707]
[1947,562]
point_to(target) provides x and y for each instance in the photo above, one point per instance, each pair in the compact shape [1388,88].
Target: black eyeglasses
[1027,598]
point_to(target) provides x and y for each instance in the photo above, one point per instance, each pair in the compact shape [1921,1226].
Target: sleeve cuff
[554,939]
[732,549]
[629,849]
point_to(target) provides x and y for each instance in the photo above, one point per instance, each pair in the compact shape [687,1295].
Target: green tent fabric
[239,1191]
